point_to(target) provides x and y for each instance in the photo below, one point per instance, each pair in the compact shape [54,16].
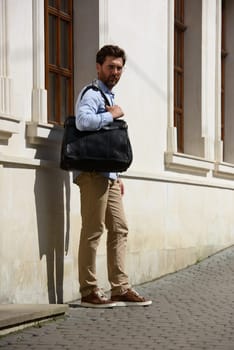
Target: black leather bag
[105,150]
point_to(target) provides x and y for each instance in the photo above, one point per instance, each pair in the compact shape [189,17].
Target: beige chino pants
[101,206]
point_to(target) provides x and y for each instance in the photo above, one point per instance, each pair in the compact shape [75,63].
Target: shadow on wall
[52,193]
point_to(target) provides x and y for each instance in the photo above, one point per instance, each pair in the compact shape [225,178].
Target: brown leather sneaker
[130,298]
[97,299]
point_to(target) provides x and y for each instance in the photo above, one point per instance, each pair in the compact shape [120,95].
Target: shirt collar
[104,88]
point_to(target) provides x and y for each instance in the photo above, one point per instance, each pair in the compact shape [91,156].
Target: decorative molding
[183,179]
[44,134]
[8,127]
[23,162]
[5,95]
[171,139]
[224,170]
[187,164]
[39,105]
[103,22]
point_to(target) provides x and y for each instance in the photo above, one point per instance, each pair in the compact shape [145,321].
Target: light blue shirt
[91,114]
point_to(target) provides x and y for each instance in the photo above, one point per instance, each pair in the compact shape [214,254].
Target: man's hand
[115,110]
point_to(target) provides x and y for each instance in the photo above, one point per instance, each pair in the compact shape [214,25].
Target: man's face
[110,71]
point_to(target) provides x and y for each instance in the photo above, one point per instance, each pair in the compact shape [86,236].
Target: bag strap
[96,88]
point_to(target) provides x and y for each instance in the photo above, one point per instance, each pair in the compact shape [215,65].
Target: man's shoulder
[90,91]
[88,88]
[94,92]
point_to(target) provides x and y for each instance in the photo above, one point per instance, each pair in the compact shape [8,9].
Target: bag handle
[96,88]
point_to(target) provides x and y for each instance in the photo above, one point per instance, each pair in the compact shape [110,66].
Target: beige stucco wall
[179,207]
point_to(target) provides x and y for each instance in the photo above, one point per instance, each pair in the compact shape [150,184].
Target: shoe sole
[98,306]
[132,303]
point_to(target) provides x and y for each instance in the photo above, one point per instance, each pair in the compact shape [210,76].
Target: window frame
[179,29]
[56,69]
[224,54]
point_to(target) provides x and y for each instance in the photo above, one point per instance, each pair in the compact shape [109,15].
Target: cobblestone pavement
[192,309]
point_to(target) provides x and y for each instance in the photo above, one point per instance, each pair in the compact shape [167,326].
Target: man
[100,193]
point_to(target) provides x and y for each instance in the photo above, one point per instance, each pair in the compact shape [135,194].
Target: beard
[111,81]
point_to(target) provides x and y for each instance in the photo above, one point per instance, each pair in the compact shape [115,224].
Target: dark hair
[110,50]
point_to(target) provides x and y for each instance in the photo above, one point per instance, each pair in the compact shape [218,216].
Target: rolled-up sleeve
[90,111]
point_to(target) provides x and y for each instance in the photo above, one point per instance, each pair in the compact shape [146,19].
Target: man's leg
[116,240]
[93,196]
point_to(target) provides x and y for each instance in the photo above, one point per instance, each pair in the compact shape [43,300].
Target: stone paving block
[192,309]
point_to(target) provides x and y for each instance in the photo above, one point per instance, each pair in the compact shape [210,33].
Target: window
[227,81]
[179,73]
[59,59]
[187,76]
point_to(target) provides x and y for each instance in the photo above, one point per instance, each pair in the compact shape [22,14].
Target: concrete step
[18,316]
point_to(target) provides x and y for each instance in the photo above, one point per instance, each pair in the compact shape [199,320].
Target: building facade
[176,92]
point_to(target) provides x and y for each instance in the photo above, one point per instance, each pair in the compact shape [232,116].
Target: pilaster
[5,81]
[39,94]
[8,124]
